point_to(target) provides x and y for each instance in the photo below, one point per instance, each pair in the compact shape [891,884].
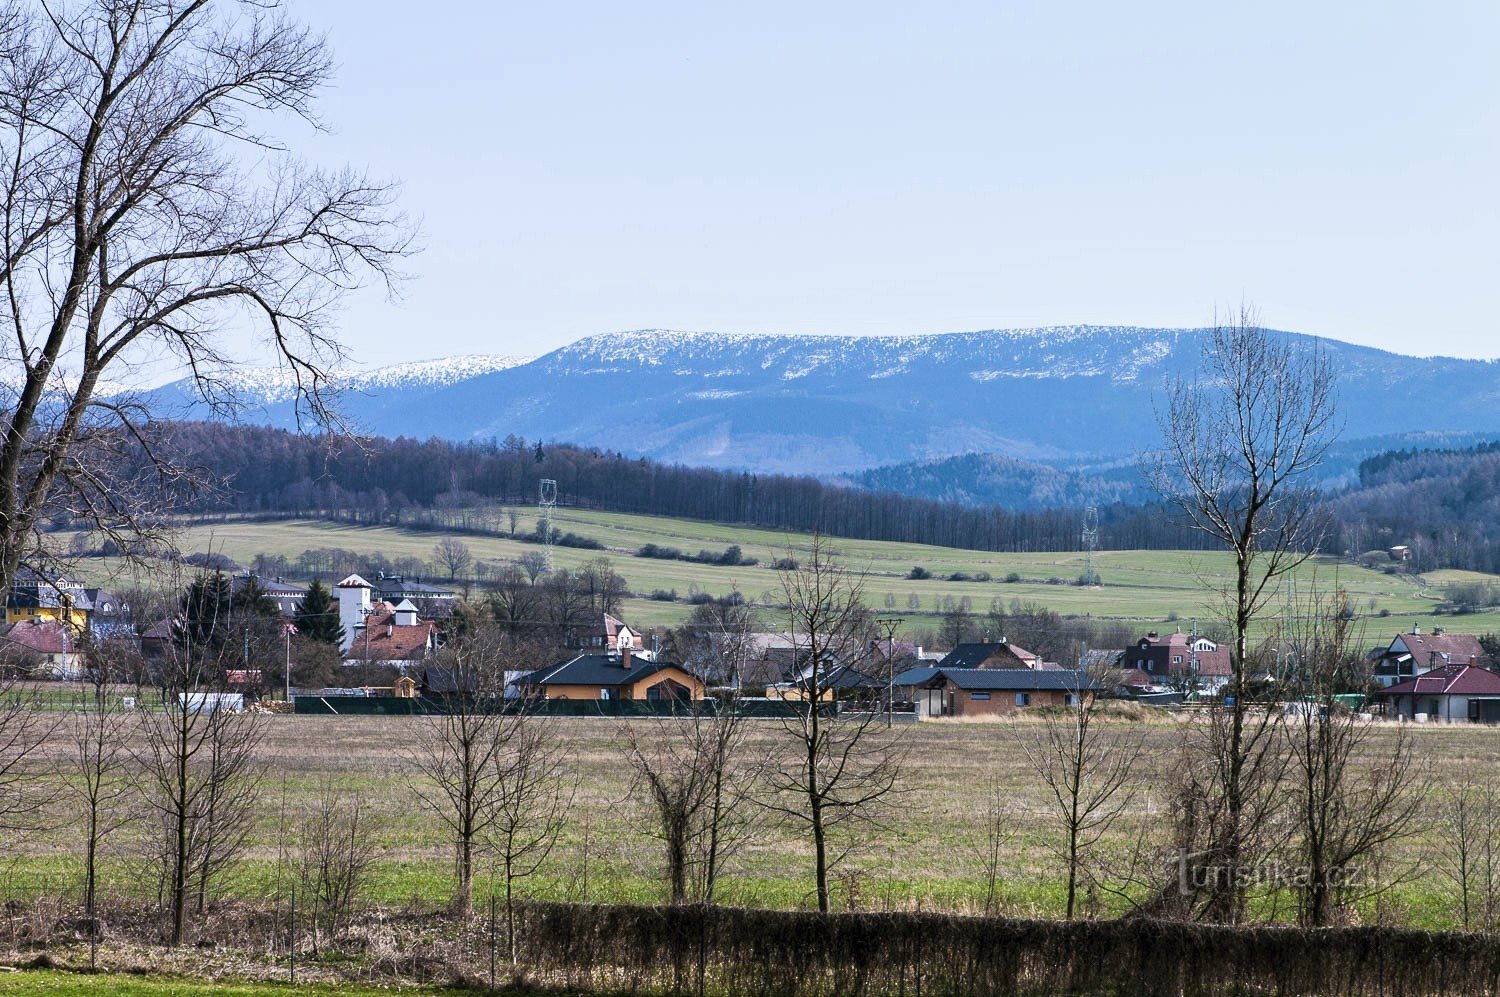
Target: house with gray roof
[940,691]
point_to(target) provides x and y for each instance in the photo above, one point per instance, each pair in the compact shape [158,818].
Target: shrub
[959,576]
[663,595]
[699,599]
[981,576]
[659,552]
[919,573]
[784,564]
[575,540]
[1014,576]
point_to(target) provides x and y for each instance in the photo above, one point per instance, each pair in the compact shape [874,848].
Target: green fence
[387,706]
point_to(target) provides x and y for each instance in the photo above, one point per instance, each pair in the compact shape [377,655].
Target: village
[390,633]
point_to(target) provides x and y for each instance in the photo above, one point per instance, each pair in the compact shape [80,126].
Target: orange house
[610,676]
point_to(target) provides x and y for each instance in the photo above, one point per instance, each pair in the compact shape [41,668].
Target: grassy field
[926,857]
[1143,588]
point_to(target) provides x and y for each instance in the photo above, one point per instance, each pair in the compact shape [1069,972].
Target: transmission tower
[546,505]
[1090,543]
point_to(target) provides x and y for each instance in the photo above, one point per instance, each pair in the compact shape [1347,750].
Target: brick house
[971,692]
[1179,658]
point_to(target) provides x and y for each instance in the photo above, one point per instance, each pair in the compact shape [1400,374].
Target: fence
[728,950]
[428,705]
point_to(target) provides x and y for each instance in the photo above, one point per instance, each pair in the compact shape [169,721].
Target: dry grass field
[926,856]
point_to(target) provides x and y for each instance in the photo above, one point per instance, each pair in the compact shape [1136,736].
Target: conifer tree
[318,615]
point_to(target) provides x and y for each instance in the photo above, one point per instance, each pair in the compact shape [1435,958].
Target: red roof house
[47,641]
[1451,692]
[392,635]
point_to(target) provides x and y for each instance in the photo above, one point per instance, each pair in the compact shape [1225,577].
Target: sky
[899,168]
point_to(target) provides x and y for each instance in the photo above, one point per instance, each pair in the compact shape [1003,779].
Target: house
[609,634]
[34,597]
[45,645]
[1178,659]
[285,594]
[392,635]
[969,692]
[110,615]
[993,654]
[837,681]
[609,676]
[1416,653]
[1448,692]
[434,600]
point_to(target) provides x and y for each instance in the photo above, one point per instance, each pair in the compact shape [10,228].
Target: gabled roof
[353,582]
[984,679]
[840,678]
[1449,680]
[1441,648]
[383,639]
[1021,679]
[597,670]
[915,676]
[42,636]
[973,655]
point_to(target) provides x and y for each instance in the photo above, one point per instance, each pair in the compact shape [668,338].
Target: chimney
[625,656]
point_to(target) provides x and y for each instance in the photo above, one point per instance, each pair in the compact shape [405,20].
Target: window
[1176,659]
[979,695]
[1070,700]
[1023,699]
[603,693]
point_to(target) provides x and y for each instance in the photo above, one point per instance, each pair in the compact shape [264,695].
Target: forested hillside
[378,480]
[1444,504]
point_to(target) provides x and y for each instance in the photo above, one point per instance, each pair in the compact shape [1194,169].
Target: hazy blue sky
[903,168]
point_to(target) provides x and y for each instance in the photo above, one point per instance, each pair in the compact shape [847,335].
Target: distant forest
[378,480]
[1443,504]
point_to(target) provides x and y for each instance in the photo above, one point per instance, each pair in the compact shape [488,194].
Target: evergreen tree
[253,600]
[205,612]
[318,616]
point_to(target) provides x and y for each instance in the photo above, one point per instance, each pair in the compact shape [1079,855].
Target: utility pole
[890,624]
[546,508]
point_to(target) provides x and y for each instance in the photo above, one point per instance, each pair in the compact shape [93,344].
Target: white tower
[354,604]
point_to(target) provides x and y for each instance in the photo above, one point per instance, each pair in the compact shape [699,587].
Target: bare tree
[532,797]
[22,730]
[534,563]
[834,771]
[1468,816]
[337,847]
[461,753]
[1239,442]
[1344,808]
[201,779]
[97,778]
[1088,777]
[697,772]
[133,228]
[452,554]
[715,642]
[1000,820]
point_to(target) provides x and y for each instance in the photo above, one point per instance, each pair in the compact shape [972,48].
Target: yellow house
[37,599]
[611,676]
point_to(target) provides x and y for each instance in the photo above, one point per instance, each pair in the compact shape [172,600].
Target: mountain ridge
[837,405]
